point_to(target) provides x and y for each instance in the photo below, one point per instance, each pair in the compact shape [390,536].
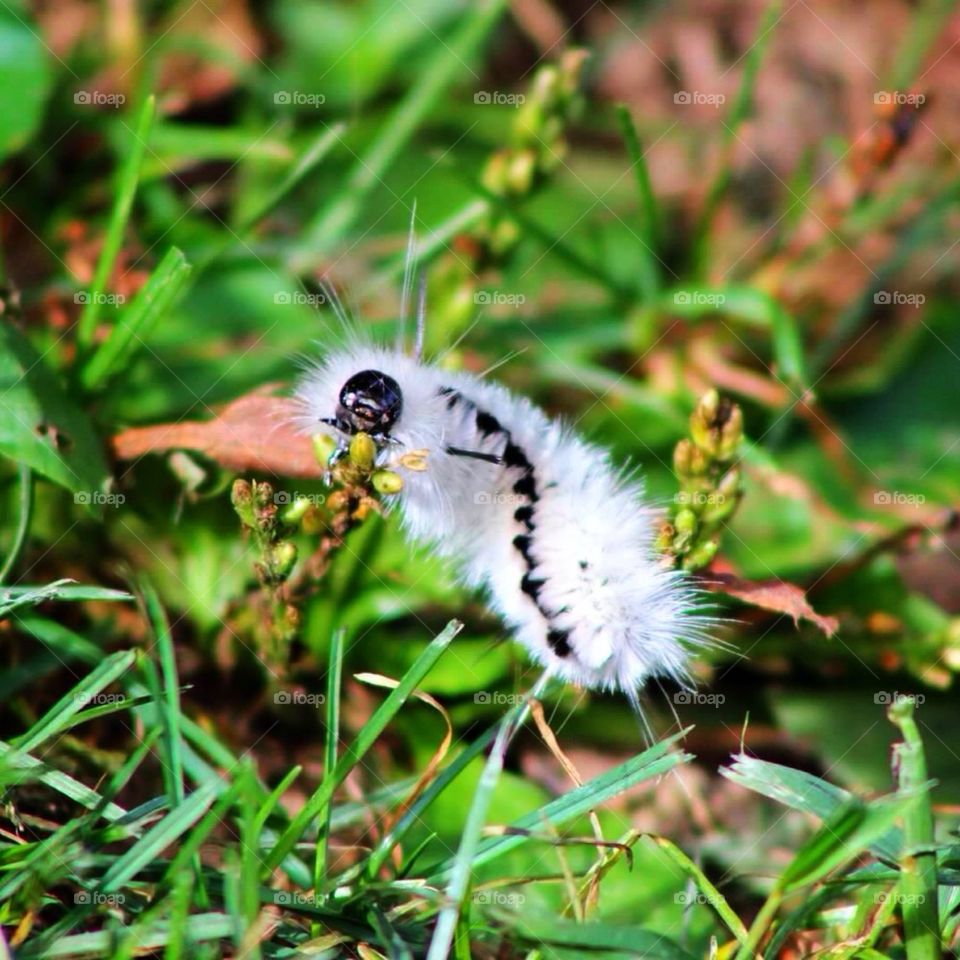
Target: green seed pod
[363,451]
[263,495]
[386,482]
[731,433]
[665,537]
[494,176]
[528,125]
[546,85]
[688,460]
[505,235]
[571,69]
[700,555]
[241,496]
[523,166]
[685,522]
[283,556]
[294,513]
[729,486]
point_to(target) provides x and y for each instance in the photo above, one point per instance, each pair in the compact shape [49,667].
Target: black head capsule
[370,402]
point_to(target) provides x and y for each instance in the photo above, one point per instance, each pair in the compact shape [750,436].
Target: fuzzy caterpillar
[562,542]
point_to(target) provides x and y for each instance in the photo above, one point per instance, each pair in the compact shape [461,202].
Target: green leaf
[41,426]
[200,927]
[133,327]
[159,837]
[634,941]
[25,78]
[332,221]
[804,791]
[653,762]
[125,191]
[16,766]
[58,717]
[317,804]
[848,832]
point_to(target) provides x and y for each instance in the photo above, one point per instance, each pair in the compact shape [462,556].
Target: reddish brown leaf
[776,595]
[253,433]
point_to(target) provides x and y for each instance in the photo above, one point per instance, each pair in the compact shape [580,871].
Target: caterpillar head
[370,402]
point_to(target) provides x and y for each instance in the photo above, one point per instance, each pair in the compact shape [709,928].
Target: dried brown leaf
[776,595]
[254,433]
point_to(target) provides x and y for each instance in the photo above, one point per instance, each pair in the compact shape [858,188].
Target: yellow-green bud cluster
[257,506]
[710,483]
[537,144]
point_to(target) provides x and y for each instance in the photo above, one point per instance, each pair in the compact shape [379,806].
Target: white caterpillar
[561,540]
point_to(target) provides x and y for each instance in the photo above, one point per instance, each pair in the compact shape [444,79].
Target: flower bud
[241,496]
[700,555]
[296,511]
[494,176]
[689,460]
[520,175]
[363,451]
[386,482]
[685,521]
[283,556]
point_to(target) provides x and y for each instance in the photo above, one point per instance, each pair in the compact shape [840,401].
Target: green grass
[253,740]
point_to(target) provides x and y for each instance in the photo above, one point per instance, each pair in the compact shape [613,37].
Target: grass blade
[333,220]
[738,113]
[167,698]
[650,223]
[331,743]
[15,760]
[126,190]
[136,321]
[464,860]
[918,864]
[57,718]
[803,791]
[317,805]
[651,763]
[199,928]
[158,838]
[25,511]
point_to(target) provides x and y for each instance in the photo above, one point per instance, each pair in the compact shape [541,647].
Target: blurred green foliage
[178,180]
